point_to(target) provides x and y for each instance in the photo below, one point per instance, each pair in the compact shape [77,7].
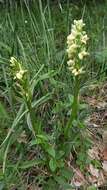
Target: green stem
[32,117]
[74,112]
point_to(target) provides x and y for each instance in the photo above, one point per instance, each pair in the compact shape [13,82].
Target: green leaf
[51,151]
[3,113]
[58,107]
[19,116]
[60,163]
[67,173]
[96,163]
[30,163]
[2,186]
[52,164]
[29,123]
[83,106]
[67,148]
[59,154]
[42,100]
[35,142]
[51,185]
[60,179]
[81,125]
[92,188]
[36,79]
[43,137]
[67,186]
[71,98]
[62,182]
[1,175]
[6,47]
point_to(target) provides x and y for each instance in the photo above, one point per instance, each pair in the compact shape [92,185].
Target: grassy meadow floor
[36,34]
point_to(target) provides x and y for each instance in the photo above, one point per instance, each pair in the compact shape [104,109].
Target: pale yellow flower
[12,61]
[19,75]
[72,49]
[79,24]
[80,71]
[82,54]
[70,62]
[74,32]
[84,38]
[70,39]
[77,71]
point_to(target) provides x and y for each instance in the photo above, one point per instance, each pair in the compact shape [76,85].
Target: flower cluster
[17,69]
[20,77]
[76,47]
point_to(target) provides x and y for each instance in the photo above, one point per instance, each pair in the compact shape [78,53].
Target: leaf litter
[96,124]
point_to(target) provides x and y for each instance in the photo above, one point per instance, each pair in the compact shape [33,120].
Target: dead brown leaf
[93,171]
[78,178]
[105,154]
[94,153]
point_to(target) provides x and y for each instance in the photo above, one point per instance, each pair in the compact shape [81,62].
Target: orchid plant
[55,153]
[76,50]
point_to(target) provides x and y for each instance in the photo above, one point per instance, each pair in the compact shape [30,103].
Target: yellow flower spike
[17,70]
[76,47]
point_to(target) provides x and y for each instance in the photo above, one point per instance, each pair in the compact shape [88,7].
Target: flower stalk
[22,85]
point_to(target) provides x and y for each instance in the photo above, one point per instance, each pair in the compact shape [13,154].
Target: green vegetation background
[35,33]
